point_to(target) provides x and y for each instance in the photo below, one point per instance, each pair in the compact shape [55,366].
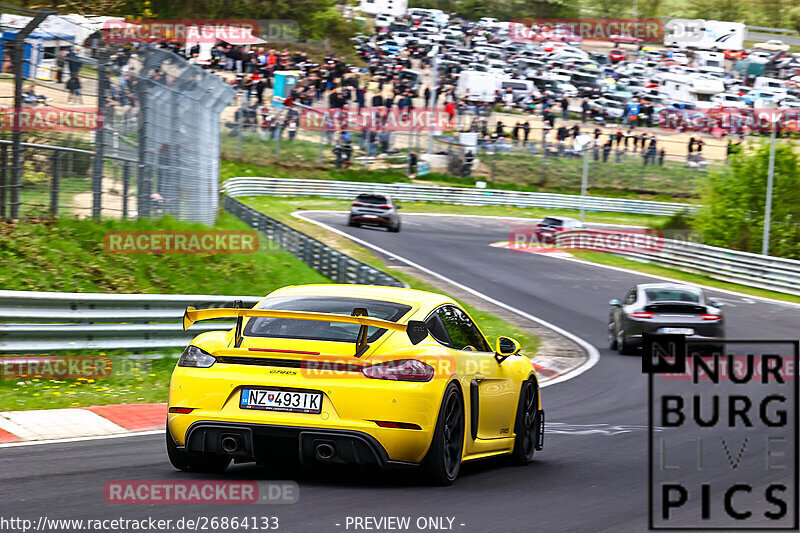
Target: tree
[734,203]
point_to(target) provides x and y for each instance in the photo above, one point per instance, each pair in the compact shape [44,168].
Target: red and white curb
[119,420]
[104,420]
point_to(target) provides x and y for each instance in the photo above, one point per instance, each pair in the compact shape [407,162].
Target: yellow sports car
[355,374]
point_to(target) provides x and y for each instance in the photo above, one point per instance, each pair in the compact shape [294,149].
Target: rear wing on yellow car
[415,329]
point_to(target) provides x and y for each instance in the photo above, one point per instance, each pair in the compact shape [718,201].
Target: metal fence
[33,322]
[155,152]
[411,192]
[327,261]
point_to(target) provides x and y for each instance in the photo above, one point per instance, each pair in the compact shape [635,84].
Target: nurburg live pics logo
[723,433]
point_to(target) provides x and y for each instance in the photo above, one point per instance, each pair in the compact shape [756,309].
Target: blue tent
[38,47]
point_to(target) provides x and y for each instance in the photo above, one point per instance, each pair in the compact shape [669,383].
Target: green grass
[144,380]
[519,172]
[68,255]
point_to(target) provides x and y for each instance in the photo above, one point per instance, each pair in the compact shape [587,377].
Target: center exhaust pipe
[325,451]
[230,444]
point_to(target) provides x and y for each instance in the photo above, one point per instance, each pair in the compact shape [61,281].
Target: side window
[461,329]
[437,330]
[631,297]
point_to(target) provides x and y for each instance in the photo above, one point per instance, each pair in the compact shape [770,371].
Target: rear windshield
[671,295]
[287,328]
[550,221]
[371,199]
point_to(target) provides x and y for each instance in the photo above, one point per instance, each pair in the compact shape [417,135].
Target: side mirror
[398,207]
[505,347]
[615,302]
[712,303]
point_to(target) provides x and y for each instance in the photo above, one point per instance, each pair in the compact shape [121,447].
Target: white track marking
[591,351]
[81,439]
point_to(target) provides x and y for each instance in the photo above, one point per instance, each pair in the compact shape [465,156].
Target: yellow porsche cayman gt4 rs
[355,374]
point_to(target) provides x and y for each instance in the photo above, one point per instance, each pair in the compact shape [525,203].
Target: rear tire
[527,424]
[353,223]
[443,460]
[624,347]
[395,228]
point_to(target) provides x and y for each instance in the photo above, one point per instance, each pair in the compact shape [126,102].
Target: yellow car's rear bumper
[351,408]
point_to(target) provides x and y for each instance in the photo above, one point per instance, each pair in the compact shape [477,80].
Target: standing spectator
[74,88]
[691,145]
[412,163]
[361,95]
[427,95]
[584,109]
[606,150]
[526,131]
[661,155]
[499,130]
[564,107]
[73,62]
[60,63]
[450,109]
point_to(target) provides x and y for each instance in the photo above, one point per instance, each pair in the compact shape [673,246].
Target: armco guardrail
[37,322]
[412,192]
[327,261]
[753,270]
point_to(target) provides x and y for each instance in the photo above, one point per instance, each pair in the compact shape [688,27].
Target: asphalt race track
[591,476]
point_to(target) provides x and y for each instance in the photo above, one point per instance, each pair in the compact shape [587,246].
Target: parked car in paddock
[662,308]
[351,374]
[374,210]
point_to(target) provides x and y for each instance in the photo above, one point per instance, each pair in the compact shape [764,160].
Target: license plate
[370,216]
[677,331]
[281,400]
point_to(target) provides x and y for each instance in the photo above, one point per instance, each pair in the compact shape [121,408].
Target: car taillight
[181,410]
[559,229]
[385,207]
[710,317]
[640,315]
[396,425]
[400,370]
[358,204]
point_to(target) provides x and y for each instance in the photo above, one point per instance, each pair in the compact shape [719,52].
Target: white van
[692,88]
[476,86]
[771,84]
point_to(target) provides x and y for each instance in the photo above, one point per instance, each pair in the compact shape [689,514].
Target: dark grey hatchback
[662,308]
[375,210]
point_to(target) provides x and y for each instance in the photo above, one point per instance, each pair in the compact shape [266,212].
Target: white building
[387,7]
